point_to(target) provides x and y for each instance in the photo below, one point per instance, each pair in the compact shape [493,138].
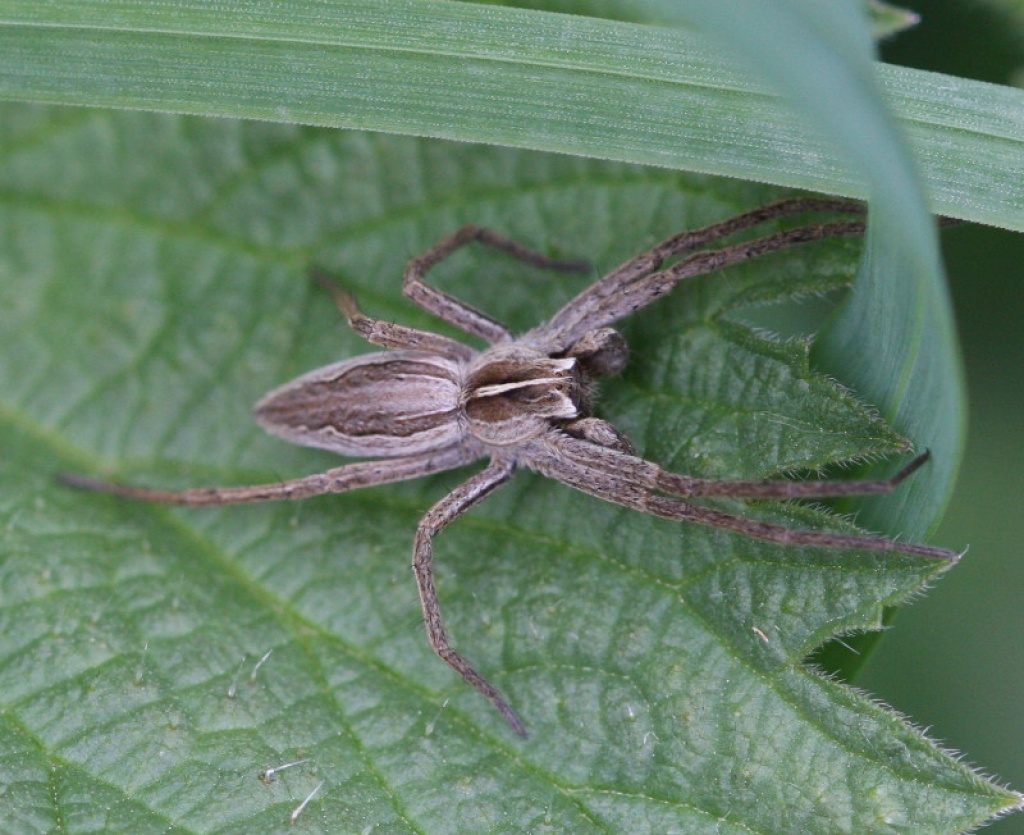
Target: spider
[430,403]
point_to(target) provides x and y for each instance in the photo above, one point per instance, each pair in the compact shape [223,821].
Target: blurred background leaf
[955,660]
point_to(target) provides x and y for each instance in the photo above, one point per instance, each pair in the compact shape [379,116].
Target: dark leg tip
[80,482]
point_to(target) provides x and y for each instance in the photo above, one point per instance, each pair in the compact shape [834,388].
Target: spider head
[602,352]
[513,393]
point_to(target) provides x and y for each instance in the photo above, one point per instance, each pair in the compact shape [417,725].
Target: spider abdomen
[377,405]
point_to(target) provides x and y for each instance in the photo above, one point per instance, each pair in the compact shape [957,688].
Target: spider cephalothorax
[430,403]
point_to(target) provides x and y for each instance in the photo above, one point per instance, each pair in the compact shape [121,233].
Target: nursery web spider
[430,403]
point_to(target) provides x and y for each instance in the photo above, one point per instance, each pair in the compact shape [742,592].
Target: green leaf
[154,283]
[579,85]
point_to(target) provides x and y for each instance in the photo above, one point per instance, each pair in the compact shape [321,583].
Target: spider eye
[602,352]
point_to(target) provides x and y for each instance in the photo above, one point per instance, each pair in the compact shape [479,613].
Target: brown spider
[432,404]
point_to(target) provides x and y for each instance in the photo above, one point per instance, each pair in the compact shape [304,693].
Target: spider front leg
[456,312]
[461,499]
[638,282]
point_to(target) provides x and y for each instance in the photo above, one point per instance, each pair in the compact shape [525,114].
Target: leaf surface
[153,284]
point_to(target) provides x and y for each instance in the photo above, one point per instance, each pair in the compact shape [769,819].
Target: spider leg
[686,486]
[638,282]
[456,312]
[628,487]
[461,499]
[591,450]
[388,334]
[338,480]
[688,241]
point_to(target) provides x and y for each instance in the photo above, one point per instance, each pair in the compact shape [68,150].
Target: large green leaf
[153,284]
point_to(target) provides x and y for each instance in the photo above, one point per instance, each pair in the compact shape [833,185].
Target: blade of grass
[507,76]
[894,340]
